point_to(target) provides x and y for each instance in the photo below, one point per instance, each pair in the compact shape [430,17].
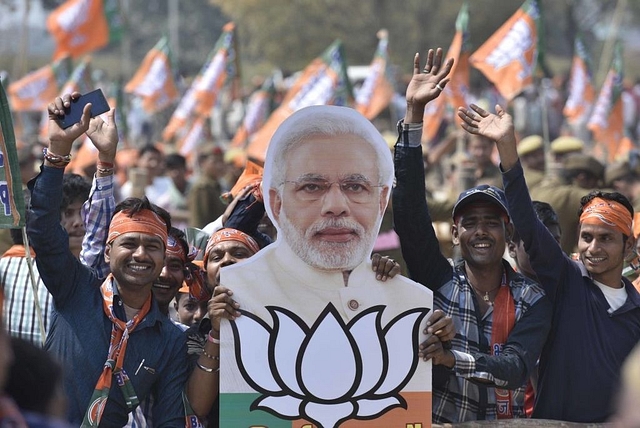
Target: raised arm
[545,254]
[418,240]
[57,266]
[98,209]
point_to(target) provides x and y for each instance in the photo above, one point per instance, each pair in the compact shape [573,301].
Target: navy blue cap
[481,193]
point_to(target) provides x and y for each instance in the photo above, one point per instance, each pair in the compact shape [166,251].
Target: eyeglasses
[358,191]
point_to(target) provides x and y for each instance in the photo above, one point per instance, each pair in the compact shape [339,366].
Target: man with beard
[327,179]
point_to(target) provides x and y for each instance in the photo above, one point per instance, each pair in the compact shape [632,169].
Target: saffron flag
[377,89]
[191,141]
[606,121]
[12,213]
[199,99]
[154,81]
[457,89]
[509,57]
[323,82]
[259,107]
[581,91]
[36,90]
[455,93]
[78,27]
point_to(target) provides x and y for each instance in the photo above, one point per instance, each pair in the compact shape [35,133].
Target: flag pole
[607,50]
[34,285]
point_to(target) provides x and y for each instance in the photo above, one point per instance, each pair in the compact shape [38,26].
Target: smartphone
[73,114]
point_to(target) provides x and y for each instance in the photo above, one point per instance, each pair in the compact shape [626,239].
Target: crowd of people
[536,305]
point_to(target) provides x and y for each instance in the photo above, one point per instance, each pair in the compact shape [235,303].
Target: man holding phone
[145,353]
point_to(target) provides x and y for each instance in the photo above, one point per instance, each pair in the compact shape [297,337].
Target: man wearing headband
[501,317]
[116,346]
[596,311]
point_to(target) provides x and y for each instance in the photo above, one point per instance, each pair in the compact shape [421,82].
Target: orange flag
[192,140]
[36,90]
[606,121]
[201,95]
[259,107]
[377,90]
[508,58]
[457,89]
[323,82]
[78,26]
[154,81]
[581,91]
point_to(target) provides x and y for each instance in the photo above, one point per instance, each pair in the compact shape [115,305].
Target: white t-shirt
[615,296]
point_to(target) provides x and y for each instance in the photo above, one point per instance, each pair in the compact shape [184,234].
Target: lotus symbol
[330,372]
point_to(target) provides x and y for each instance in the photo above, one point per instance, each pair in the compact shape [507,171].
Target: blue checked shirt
[466,392]
[20,315]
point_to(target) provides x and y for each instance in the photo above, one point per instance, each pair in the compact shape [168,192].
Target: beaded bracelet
[207,369]
[209,356]
[57,160]
[212,339]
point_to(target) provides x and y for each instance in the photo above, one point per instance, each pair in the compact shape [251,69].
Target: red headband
[606,212]
[144,221]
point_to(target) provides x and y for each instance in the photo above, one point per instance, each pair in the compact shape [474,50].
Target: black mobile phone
[73,114]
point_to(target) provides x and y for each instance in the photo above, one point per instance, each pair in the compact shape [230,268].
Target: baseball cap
[481,193]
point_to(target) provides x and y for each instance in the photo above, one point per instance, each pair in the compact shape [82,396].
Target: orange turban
[609,213]
[228,234]
[144,221]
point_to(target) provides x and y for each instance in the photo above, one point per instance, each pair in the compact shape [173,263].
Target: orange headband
[606,212]
[229,234]
[144,221]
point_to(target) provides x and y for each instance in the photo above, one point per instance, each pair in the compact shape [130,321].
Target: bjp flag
[581,91]
[323,82]
[457,89]
[509,57]
[201,95]
[36,90]
[377,90]
[154,81]
[259,107]
[606,121]
[192,140]
[78,27]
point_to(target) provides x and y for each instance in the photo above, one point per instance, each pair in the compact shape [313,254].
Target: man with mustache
[327,179]
[501,318]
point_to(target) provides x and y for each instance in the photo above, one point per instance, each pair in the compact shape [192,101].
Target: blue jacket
[80,331]
[580,364]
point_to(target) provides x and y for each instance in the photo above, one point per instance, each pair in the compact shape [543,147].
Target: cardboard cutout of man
[320,339]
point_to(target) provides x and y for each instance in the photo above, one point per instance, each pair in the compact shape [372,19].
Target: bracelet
[105,171]
[209,356]
[207,369]
[57,160]
[105,164]
[212,339]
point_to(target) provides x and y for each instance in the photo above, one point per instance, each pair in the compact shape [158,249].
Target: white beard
[328,255]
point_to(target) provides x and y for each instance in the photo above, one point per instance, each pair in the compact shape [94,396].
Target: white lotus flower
[329,372]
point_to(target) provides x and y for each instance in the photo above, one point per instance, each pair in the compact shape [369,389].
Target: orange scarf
[18,251]
[504,318]
[113,367]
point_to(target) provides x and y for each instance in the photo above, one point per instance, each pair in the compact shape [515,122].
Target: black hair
[545,213]
[34,376]
[175,161]
[180,295]
[75,188]
[134,205]
[148,148]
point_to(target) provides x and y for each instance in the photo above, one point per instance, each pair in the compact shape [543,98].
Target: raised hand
[104,136]
[221,306]
[60,140]
[384,267]
[497,127]
[427,83]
